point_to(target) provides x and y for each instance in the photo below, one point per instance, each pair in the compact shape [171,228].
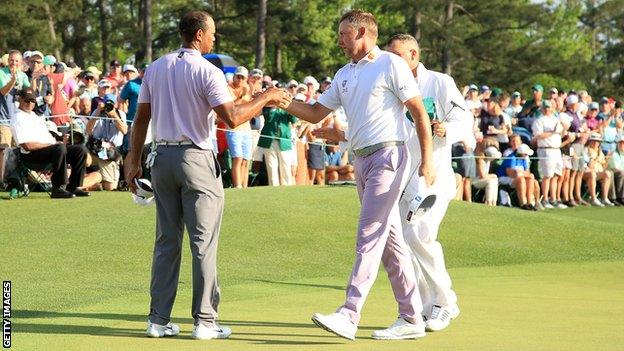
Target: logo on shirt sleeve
[344,86]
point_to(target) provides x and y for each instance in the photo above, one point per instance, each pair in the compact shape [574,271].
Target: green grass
[526,281]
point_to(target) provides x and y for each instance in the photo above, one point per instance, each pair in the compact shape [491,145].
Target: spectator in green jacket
[275,139]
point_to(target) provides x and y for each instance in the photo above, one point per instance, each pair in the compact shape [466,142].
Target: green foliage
[504,43]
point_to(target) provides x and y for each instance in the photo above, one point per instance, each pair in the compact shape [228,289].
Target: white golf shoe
[401,329]
[336,323]
[441,317]
[214,331]
[158,331]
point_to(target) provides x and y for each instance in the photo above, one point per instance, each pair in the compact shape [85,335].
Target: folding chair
[22,173]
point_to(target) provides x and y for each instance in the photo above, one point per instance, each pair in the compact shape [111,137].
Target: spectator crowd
[554,149]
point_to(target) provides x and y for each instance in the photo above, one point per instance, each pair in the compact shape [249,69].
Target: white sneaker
[214,331]
[596,202]
[607,202]
[158,331]
[441,317]
[547,204]
[401,329]
[560,205]
[336,323]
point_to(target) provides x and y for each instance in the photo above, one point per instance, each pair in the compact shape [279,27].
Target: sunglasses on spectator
[89,78]
[30,101]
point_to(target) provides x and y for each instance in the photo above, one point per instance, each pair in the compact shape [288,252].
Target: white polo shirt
[183,88]
[29,128]
[372,93]
[548,124]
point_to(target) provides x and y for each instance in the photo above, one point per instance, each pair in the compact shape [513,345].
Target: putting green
[563,306]
[80,269]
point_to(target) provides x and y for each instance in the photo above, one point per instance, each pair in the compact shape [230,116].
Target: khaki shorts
[6,138]
[109,170]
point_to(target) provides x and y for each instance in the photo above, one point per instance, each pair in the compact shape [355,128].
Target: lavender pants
[380,180]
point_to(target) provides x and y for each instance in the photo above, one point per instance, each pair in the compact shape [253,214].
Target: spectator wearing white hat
[597,172]
[239,139]
[515,106]
[292,87]
[313,86]
[616,165]
[565,184]
[325,83]
[255,81]
[547,130]
[514,171]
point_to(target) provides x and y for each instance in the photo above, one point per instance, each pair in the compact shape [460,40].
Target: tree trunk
[415,23]
[278,58]
[261,33]
[52,30]
[103,32]
[147,29]
[446,52]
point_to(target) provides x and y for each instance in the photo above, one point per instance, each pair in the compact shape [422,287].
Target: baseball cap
[110,97]
[553,90]
[594,106]
[48,60]
[485,88]
[93,70]
[572,99]
[256,72]
[492,152]
[473,87]
[292,83]
[546,104]
[537,87]
[326,80]
[524,149]
[104,83]
[131,68]
[302,86]
[595,137]
[144,66]
[27,94]
[516,94]
[497,92]
[115,63]
[604,100]
[310,80]
[26,54]
[241,71]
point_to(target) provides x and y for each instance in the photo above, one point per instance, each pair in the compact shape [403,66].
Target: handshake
[277,97]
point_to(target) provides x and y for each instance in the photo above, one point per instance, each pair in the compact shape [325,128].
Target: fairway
[526,281]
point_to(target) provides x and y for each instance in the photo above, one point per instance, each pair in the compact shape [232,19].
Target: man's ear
[361,33]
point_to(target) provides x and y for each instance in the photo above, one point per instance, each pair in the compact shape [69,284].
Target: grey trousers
[188,192]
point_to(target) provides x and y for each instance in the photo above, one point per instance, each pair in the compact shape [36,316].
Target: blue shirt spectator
[512,161]
[130,93]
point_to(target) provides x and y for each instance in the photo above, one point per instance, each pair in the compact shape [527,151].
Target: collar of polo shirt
[370,57]
[189,50]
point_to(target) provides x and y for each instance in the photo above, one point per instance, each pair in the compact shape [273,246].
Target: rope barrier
[74,116]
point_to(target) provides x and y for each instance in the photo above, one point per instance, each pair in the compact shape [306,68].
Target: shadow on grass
[322,286]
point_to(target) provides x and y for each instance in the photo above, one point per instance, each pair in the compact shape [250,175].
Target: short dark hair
[404,38]
[191,22]
[359,18]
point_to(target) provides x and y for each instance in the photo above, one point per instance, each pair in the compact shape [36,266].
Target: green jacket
[276,124]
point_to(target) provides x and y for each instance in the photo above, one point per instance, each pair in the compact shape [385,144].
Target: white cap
[127,68]
[292,82]
[299,97]
[35,53]
[492,152]
[256,72]
[104,83]
[302,86]
[524,149]
[310,80]
[241,71]
[144,194]
[572,99]
[26,54]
